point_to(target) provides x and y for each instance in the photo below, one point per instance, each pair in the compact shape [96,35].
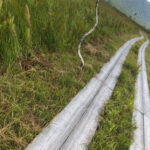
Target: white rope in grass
[86,34]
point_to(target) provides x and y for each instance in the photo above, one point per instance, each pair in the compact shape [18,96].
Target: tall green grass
[55,24]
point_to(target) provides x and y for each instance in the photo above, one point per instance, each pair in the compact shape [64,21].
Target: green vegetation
[55,25]
[116,128]
[148,63]
[39,66]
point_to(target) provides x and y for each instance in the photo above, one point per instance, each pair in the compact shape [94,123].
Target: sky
[139,10]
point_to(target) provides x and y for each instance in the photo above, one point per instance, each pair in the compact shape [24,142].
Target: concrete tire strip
[141,114]
[74,127]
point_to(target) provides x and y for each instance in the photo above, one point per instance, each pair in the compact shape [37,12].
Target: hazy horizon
[138,10]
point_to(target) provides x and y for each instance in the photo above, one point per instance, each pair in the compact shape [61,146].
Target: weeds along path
[141,114]
[74,127]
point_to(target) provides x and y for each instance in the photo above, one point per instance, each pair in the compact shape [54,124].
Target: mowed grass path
[115,128]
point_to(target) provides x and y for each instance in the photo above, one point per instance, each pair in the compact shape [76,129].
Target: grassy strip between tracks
[148,63]
[115,128]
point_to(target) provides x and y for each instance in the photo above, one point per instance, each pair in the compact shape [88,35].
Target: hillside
[40,68]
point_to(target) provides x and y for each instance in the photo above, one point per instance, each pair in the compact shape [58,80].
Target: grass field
[55,25]
[39,66]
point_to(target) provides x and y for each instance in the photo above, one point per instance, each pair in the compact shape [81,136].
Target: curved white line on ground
[141,114]
[85,105]
[89,32]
